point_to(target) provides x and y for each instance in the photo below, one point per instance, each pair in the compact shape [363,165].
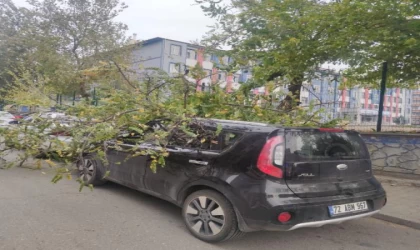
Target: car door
[127,167]
[184,164]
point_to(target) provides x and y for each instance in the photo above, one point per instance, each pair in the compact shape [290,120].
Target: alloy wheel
[205,216]
[86,170]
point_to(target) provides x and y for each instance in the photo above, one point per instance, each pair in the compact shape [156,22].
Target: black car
[252,177]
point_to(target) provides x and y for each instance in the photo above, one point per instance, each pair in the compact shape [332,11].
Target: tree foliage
[58,40]
[291,39]
[288,39]
[380,31]
[79,46]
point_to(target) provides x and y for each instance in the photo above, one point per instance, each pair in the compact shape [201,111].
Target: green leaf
[219,129]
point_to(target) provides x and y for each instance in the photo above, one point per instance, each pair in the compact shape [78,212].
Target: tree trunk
[293,97]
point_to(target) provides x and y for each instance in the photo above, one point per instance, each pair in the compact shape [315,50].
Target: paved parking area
[36,214]
[403,202]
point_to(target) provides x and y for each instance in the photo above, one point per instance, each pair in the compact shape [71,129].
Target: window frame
[175,64]
[180,50]
[218,145]
[195,54]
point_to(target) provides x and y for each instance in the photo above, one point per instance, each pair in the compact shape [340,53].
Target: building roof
[158,39]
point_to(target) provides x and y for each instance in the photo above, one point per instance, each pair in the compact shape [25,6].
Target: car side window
[195,137]
[229,138]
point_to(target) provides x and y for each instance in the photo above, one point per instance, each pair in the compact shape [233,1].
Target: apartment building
[415,115]
[359,105]
[174,57]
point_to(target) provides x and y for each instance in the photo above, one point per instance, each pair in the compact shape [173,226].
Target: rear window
[322,146]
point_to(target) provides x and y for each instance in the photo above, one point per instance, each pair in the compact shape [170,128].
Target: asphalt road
[36,214]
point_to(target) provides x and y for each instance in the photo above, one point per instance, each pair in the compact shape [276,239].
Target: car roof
[241,125]
[264,127]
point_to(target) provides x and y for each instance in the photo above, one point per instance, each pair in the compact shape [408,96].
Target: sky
[180,20]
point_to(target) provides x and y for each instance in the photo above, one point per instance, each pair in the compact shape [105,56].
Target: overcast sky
[175,19]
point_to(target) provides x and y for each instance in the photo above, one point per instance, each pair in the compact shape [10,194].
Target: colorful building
[358,105]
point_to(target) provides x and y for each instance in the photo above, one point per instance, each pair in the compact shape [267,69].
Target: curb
[398,221]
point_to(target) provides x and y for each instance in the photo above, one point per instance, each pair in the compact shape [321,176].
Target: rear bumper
[332,221]
[310,213]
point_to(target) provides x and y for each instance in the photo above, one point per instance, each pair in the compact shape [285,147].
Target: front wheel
[210,217]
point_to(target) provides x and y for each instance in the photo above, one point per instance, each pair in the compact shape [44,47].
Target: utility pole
[382,96]
[335,96]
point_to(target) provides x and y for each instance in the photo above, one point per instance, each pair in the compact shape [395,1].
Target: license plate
[348,208]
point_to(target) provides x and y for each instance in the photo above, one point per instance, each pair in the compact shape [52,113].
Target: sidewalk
[403,205]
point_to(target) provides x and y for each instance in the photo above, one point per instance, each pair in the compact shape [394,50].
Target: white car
[6,118]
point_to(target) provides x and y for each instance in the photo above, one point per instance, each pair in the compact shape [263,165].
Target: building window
[317,88]
[174,68]
[225,60]
[409,100]
[400,110]
[347,105]
[395,99]
[175,50]
[394,109]
[192,54]
[222,76]
[236,78]
[304,100]
[408,111]
[207,57]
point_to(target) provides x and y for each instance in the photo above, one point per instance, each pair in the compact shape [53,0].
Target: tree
[14,24]
[379,31]
[287,39]
[67,51]
[62,39]
[382,40]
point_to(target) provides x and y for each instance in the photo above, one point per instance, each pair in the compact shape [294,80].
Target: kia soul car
[253,177]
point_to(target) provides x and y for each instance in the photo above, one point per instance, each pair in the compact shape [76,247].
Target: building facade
[361,106]
[174,57]
[415,115]
[358,105]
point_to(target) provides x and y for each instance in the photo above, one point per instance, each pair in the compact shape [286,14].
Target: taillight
[272,157]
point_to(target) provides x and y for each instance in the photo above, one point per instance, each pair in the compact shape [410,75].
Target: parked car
[253,177]
[6,118]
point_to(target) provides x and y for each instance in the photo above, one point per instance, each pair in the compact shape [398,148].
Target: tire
[91,171]
[210,217]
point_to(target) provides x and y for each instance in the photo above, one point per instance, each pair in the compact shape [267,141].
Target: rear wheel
[91,171]
[210,217]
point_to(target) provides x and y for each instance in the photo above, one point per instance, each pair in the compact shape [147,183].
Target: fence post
[382,96]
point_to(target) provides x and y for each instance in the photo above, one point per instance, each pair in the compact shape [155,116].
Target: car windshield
[311,145]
